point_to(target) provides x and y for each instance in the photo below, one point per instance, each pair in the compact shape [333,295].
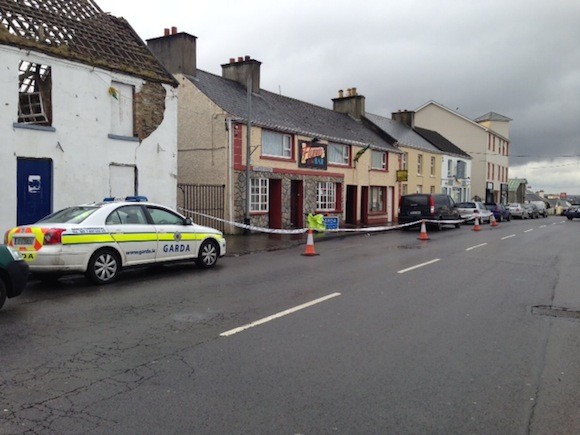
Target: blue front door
[34,184]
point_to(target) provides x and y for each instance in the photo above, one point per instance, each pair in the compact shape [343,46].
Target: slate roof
[442,143]
[281,113]
[492,116]
[80,31]
[402,133]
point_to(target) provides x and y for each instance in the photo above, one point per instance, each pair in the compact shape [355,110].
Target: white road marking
[508,237]
[278,315]
[418,265]
[476,246]
[527,231]
[542,226]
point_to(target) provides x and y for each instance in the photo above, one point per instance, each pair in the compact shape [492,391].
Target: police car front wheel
[208,254]
[104,266]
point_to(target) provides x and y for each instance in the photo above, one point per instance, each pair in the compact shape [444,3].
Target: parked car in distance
[471,209]
[100,239]
[434,207]
[561,207]
[13,273]
[542,210]
[517,210]
[533,211]
[573,212]
[500,212]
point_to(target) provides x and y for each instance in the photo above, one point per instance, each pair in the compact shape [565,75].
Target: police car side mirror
[187,221]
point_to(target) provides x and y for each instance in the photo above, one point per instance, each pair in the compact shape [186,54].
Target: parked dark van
[418,206]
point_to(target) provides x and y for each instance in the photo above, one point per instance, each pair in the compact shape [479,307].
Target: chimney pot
[173,30]
[240,58]
[247,57]
[354,92]
[166,32]
[340,93]
[232,60]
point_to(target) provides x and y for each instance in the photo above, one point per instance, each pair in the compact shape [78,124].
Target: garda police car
[100,239]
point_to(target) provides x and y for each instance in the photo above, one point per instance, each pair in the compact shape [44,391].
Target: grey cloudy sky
[519,58]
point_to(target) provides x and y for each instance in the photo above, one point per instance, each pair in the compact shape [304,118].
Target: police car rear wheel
[104,267]
[208,254]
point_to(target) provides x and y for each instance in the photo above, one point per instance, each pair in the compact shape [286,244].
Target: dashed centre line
[419,265]
[278,315]
[508,237]
[527,231]
[476,246]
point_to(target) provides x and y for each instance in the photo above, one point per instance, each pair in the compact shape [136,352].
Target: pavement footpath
[241,244]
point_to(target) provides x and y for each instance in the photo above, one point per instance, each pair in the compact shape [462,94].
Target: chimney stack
[406,117]
[352,104]
[176,51]
[242,70]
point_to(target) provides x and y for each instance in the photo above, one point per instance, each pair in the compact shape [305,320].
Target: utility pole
[248,154]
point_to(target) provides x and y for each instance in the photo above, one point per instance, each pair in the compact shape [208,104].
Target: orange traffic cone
[310,251]
[476,226]
[423,235]
[492,221]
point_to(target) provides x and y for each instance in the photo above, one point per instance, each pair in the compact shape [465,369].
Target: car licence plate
[24,241]
[415,212]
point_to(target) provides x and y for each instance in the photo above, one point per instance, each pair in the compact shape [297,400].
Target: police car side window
[113,219]
[164,217]
[128,215]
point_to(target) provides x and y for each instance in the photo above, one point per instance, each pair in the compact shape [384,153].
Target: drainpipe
[248,153]
[230,172]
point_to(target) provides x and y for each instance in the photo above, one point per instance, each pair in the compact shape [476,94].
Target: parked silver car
[517,210]
[471,209]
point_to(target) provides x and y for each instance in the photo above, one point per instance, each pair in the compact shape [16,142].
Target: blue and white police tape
[337,230]
[247,227]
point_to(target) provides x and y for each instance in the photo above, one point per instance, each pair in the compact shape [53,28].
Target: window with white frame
[377,200]
[432,167]
[404,161]
[461,168]
[379,160]
[432,190]
[35,94]
[419,188]
[122,121]
[420,164]
[325,196]
[259,194]
[338,154]
[276,144]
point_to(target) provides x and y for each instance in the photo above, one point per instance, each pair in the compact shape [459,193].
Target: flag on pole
[360,153]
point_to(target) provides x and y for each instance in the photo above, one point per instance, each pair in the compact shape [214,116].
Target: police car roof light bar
[127,198]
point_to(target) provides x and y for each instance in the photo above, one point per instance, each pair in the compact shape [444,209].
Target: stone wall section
[149,109]
[261,220]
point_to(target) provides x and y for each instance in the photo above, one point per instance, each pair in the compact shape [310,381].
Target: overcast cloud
[519,58]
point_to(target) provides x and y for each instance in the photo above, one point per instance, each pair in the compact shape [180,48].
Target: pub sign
[312,155]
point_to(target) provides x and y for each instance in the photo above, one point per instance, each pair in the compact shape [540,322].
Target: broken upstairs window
[35,94]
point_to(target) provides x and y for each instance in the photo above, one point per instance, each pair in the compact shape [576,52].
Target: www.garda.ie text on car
[102,238]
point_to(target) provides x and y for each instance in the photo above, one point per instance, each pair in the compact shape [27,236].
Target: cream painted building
[421,160]
[302,158]
[485,139]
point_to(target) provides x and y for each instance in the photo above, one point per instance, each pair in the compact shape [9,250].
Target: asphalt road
[464,333]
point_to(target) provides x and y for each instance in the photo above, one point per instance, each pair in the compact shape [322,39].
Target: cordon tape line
[303,230]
